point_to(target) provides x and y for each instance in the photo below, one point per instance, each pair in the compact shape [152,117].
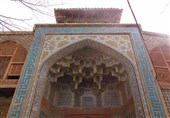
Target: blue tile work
[20,97]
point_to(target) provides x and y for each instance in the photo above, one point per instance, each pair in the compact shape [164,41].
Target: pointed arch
[25,40]
[12,59]
[131,69]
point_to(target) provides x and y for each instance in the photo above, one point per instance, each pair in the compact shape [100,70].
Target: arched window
[12,58]
[63,96]
[111,97]
[88,99]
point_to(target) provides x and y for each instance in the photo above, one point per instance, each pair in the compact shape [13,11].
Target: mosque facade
[88,65]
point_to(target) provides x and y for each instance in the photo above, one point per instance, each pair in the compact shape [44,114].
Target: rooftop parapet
[88,15]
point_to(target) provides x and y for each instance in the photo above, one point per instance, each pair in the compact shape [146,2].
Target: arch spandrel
[120,43]
[58,54]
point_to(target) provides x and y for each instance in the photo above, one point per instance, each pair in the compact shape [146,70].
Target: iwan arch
[87,71]
[89,46]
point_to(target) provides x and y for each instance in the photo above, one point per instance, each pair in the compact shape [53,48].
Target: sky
[153,15]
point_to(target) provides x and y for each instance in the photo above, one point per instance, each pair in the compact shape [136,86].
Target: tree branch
[41,7]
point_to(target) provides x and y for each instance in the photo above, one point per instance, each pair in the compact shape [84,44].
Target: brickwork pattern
[161,65]
[148,78]
[153,40]
[4,109]
[12,58]
[106,50]
[160,55]
[166,95]
[23,38]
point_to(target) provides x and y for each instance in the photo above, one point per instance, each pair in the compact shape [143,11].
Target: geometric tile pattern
[162,75]
[153,40]
[160,56]
[157,59]
[148,78]
[166,95]
[120,43]
[102,48]
[22,95]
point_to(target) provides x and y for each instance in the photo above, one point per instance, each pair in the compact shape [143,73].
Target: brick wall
[159,50]
[25,39]
[13,51]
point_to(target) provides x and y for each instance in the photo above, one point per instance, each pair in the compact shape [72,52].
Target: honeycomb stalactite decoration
[87,78]
[87,63]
